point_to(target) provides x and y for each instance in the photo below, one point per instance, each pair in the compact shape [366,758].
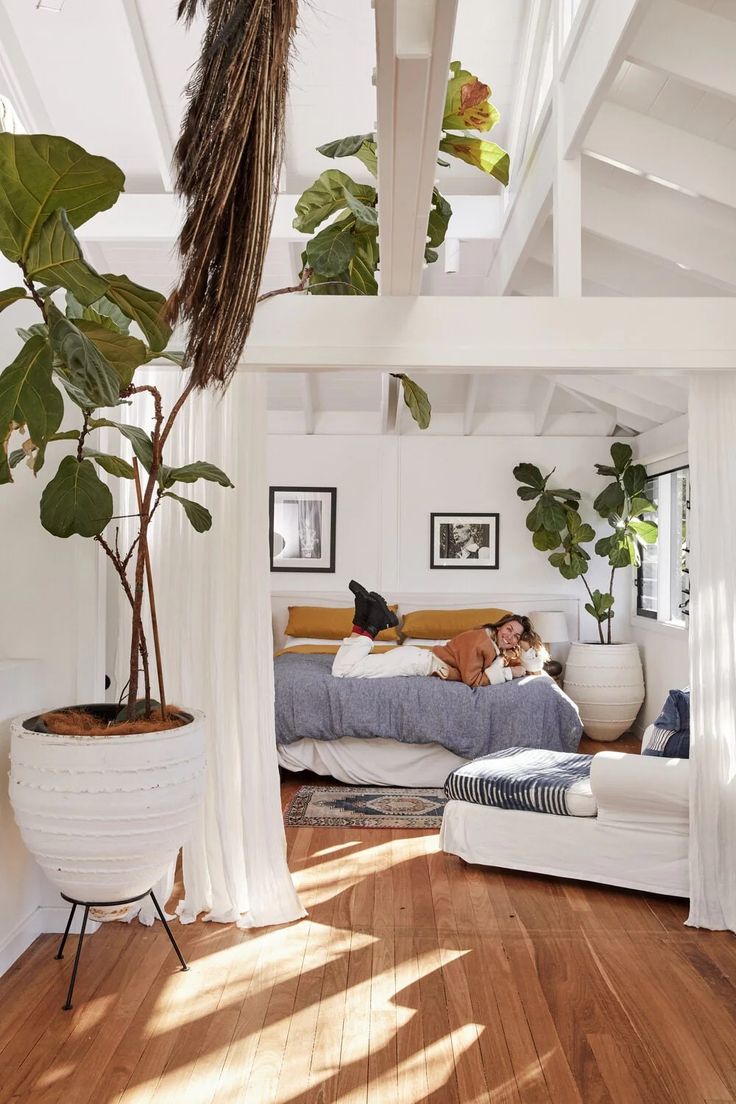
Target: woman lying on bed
[491,654]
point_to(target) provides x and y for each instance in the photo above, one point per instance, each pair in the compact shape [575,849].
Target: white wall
[388,486]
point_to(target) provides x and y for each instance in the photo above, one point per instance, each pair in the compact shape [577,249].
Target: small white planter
[105,817]
[606,683]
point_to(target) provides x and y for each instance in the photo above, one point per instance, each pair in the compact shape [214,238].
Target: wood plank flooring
[415,978]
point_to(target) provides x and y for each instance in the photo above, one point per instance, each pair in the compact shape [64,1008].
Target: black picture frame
[312,545]
[481,553]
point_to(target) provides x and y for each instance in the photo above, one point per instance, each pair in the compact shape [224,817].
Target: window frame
[668,559]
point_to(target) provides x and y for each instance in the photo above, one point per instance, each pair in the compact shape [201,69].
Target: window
[662,581]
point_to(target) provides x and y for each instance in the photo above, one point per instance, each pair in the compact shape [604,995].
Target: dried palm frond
[228,159]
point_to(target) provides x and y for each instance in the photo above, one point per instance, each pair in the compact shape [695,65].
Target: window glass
[662,580]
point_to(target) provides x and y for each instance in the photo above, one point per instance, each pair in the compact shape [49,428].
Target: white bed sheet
[376,762]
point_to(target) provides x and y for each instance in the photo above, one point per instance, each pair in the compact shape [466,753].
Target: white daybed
[638,839]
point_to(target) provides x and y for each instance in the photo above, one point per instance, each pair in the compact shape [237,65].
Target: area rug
[366,807]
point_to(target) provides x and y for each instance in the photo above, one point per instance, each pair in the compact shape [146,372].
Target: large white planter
[606,683]
[104,818]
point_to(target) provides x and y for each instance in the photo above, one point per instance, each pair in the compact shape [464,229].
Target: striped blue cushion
[527,779]
[668,744]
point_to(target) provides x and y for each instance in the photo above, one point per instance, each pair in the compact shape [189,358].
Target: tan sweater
[467,656]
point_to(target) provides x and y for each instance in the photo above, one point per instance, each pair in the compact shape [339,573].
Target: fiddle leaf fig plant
[343,257]
[81,359]
[556,525]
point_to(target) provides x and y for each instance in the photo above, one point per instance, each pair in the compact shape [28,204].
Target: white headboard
[517,603]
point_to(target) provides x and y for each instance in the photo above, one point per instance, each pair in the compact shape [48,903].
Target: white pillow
[418,640]
[293,641]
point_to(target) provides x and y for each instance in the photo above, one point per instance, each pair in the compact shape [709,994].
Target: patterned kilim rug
[366,807]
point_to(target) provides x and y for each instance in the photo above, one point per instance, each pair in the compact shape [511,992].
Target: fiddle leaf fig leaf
[330,251]
[362,146]
[621,455]
[12,295]
[362,268]
[530,474]
[363,213]
[640,505]
[139,439]
[113,465]
[634,479]
[417,399]
[39,173]
[54,254]
[28,397]
[645,530]
[199,516]
[103,311]
[123,352]
[327,195]
[466,102]
[486,156]
[142,305]
[527,494]
[552,515]
[544,540]
[200,469]
[610,500]
[439,219]
[89,373]
[76,501]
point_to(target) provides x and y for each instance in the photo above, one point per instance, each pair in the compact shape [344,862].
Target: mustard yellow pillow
[328,623]
[442,624]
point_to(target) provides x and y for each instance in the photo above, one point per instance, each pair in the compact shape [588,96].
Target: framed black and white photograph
[302,528]
[463,540]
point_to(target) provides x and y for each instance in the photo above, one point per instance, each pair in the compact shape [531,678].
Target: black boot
[380,616]
[363,604]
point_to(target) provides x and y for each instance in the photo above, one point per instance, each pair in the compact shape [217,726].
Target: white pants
[354,660]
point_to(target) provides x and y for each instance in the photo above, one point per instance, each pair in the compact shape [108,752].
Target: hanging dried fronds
[228,159]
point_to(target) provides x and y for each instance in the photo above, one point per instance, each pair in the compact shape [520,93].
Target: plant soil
[80,722]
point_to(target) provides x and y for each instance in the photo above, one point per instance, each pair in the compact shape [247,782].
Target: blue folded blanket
[527,779]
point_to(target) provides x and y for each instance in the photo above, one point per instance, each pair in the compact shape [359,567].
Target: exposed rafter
[389,402]
[18,77]
[163,141]
[617,394]
[308,384]
[542,402]
[414,44]
[656,149]
[665,41]
[597,405]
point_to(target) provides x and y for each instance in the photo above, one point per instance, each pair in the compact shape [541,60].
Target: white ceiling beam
[471,399]
[414,44]
[158,217]
[591,62]
[528,76]
[693,45]
[644,218]
[307,383]
[389,402]
[528,213]
[164,143]
[664,392]
[656,149]
[567,250]
[542,400]
[608,412]
[616,394]
[396,334]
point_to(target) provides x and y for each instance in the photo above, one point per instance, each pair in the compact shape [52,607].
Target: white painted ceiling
[111,75]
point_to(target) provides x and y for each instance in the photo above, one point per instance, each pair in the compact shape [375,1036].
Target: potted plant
[605,679]
[104,794]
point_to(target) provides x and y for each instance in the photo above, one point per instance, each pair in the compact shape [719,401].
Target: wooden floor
[415,978]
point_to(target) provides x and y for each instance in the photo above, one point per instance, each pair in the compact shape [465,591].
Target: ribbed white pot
[606,682]
[105,817]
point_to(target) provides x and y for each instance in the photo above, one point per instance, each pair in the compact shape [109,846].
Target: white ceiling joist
[591,62]
[389,402]
[608,412]
[307,381]
[164,144]
[385,333]
[663,392]
[618,395]
[656,149]
[542,402]
[666,40]
[414,44]
[586,73]
[19,81]
[705,241]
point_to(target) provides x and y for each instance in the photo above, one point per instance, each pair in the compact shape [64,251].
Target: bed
[408,731]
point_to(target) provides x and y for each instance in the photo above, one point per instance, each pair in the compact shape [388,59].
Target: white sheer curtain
[712,455]
[214,612]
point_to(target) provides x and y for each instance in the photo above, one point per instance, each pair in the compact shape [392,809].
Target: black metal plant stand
[87,905]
